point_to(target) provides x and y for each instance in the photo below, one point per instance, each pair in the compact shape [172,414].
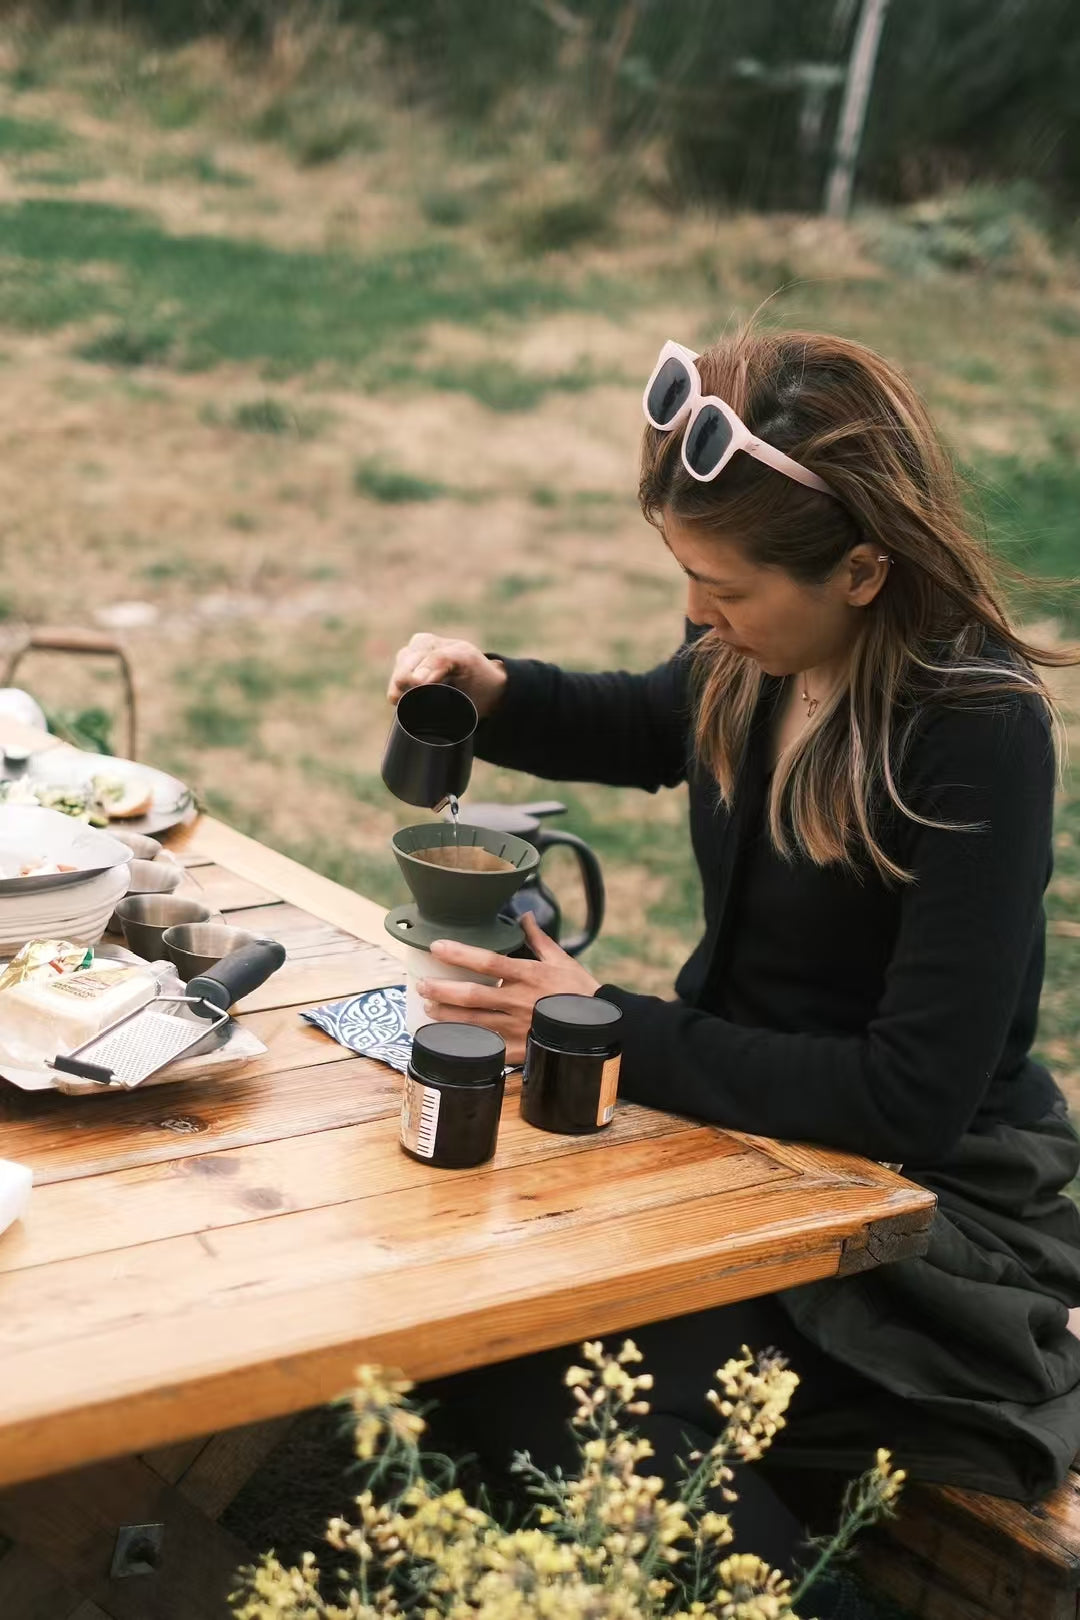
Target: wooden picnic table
[201,1259]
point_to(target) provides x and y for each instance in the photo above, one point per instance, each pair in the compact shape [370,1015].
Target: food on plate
[102,799]
[24,866]
[44,868]
[123,797]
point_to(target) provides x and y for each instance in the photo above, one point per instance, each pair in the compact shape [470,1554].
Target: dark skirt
[969,1345]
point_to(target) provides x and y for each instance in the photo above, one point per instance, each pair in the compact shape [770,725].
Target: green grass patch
[179,569]
[974,369]
[235,300]
[392,486]
[40,297]
[367,786]
[317,128]
[201,167]
[273,416]
[212,723]
[563,224]
[63,176]
[89,729]
[20,137]
[1063,320]
[1029,509]
[504,387]
[446,208]
[129,343]
[511,587]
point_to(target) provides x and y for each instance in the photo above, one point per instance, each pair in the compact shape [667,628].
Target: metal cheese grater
[143,1041]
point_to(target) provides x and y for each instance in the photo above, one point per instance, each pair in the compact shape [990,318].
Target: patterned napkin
[371,1024]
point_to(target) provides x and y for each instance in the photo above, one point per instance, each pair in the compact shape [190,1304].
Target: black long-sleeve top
[823,1005]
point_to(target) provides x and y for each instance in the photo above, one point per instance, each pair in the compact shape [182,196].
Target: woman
[871,767]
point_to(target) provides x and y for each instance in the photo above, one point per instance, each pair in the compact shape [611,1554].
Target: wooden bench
[959,1555]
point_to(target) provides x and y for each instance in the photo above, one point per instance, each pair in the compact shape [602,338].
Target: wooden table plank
[261,1350]
[422,1219]
[285,877]
[305,936]
[307,982]
[64,1138]
[223,890]
[204,1191]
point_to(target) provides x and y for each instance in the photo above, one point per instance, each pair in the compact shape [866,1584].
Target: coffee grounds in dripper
[463,858]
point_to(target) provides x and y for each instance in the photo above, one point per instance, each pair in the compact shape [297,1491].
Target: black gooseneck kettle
[523,821]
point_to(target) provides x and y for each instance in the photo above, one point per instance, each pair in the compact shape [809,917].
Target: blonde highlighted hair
[938,627]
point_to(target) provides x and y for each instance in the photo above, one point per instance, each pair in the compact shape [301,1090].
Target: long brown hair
[938,626]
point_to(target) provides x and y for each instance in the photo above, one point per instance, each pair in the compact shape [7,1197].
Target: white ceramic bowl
[80,914]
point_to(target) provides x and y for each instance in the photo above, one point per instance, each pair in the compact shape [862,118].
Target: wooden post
[853,110]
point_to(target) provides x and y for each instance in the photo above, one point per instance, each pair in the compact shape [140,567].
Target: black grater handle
[83,1070]
[235,976]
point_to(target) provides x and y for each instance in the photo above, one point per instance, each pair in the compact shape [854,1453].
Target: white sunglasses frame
[741,437]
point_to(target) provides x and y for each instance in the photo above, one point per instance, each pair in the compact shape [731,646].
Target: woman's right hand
[429,658]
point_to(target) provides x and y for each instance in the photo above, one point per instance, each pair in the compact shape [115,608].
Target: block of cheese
[41,1018]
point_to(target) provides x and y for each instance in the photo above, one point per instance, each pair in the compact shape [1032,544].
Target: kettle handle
[591,877]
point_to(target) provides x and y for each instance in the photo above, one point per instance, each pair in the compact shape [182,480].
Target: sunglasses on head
[712,432]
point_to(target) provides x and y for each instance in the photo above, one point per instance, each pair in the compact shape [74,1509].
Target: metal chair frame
[82,643]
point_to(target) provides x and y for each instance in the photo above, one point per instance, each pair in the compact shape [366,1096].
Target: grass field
[290,373]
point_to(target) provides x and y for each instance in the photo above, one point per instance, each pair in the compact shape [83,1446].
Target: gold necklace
[812,703]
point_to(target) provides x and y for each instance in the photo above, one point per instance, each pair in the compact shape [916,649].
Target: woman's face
[786,627]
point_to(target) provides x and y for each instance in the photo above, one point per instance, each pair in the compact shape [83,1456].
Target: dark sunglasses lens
[669,392]
[707,440]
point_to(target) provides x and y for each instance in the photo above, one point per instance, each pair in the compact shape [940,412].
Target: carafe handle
[591,877]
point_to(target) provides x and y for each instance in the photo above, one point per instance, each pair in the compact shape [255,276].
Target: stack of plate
[73,904]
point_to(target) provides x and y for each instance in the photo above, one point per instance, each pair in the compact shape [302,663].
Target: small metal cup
[429,751]
[145,917]
[197,947]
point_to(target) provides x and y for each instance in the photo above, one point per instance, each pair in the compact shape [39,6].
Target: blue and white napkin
[371,1024]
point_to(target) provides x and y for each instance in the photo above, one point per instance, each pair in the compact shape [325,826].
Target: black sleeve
[621,729]
[907,1088]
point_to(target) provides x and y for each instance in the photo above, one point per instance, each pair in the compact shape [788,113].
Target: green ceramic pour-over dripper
[459,901]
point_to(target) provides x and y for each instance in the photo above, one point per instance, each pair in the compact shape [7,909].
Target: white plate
[67,767]
[29,833]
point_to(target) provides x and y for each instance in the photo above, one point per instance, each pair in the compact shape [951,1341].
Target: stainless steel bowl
[197,947]
[144,919]
[154,877]
[142,847]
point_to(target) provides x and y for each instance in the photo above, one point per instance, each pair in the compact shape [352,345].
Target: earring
[884,557]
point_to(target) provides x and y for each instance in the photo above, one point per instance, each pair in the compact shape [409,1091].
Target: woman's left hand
[506,1008]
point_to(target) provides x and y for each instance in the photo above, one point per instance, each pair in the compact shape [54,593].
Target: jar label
[420,1117]
[609,1085]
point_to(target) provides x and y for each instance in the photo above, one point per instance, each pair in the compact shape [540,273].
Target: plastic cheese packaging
[15,1180]
[40,1018]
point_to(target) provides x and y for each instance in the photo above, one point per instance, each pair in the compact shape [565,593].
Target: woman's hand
[435,658]
[506,1008]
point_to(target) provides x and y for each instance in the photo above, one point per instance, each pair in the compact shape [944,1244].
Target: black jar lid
[462,1054]
[576,1023]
